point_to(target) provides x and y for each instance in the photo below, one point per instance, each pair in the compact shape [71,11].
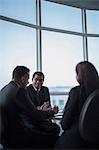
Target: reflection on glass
[17,47]
[61,16]
[60,54]
[59,101]
[23,10]
[93,51]
[93,21]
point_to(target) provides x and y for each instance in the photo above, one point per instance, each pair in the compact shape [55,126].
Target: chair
[89,119]
[1,146]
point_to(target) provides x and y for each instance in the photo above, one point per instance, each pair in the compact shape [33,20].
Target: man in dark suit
[38,93]
[40,96]
[20,117]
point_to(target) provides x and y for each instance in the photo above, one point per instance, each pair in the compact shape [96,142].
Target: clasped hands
[47,106]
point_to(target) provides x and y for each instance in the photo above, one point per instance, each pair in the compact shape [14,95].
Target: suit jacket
[71,110]
[71,138]
[17,111]
[41,97]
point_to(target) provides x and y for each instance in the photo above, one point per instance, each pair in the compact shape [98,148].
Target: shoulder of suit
[29,86]
[44,87]
[76,88]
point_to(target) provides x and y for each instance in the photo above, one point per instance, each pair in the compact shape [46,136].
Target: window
[59,100]
[93,21]
[23,10]
[93,51]
[61,16]
[60,54]
[17,47]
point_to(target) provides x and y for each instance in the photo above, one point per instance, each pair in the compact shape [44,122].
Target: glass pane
[93,51]
[61,16]
[93,21]
[61,53]
[59,100]
[19,9]
[17,47]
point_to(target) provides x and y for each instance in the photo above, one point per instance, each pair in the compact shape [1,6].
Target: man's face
[37,81]
[24,80]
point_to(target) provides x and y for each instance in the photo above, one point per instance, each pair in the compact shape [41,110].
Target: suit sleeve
[70,111]
[47,94]
[23,101]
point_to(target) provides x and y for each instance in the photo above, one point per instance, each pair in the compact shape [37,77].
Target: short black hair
[20,71]
[39,73]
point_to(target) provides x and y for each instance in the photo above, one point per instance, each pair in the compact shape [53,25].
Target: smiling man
[38,93]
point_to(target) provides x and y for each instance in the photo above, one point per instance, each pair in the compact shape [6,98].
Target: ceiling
[87,4]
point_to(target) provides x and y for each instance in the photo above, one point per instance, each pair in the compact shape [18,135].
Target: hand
[46,106]
[39,108]
[55,109]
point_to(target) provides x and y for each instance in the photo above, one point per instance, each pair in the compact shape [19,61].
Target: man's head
[37,79]
[21,75]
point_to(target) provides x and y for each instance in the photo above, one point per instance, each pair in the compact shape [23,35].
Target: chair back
[1,131]
[89,118]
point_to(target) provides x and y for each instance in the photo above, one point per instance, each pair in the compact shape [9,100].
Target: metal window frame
[38,36]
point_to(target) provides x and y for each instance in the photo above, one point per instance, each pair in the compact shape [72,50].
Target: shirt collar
[16,83]
[36,88]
